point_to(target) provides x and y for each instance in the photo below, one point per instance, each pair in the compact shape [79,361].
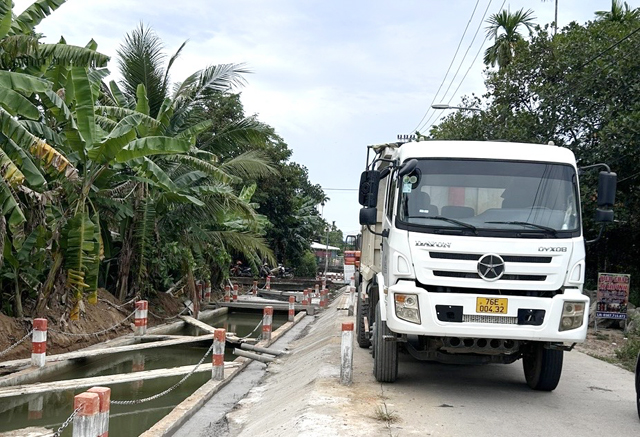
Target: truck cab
[474,252]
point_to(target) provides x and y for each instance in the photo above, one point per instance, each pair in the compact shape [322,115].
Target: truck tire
[362,311]
[385,353]
[542,367]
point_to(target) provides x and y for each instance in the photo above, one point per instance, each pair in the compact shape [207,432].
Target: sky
[331,77]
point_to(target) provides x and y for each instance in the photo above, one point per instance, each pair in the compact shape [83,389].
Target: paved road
[302,396]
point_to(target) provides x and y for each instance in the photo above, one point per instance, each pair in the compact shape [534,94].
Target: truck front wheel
[362,311]
[385,353]
[542,366]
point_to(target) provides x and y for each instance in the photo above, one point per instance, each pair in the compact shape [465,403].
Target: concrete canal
[51,409]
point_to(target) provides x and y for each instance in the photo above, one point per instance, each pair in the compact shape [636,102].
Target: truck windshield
[522,197]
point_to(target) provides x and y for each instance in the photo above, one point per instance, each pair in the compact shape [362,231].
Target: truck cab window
[514,197]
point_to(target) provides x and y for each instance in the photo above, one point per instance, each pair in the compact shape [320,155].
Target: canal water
[52,409]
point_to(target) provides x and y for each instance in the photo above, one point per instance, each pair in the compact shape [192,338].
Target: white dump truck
[474,252]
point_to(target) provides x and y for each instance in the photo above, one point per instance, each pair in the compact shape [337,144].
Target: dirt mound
[105,320]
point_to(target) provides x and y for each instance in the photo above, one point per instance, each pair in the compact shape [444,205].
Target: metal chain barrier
[118,306]
[16,344]
[168,318]
[72,334]
[66,423]
[170,389]
[254,330]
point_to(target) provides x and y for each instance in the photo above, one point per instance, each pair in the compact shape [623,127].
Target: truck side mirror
[407,167]
[604,215]
[607,189]
[368,216]
[368,191]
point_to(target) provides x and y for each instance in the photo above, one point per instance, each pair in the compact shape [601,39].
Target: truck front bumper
[461,319]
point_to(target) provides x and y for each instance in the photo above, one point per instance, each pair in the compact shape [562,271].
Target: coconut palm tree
[503,29]
[181,111]
[619,12]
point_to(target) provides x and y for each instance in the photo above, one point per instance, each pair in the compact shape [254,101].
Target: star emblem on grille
[491,267]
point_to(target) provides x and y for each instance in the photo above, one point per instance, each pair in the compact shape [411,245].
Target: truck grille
[467,275]
[476,257]
[501,320]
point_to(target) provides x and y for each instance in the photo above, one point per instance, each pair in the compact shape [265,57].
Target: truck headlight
[407,307]
[572,315]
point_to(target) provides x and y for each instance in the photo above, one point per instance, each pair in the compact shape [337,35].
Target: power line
[429,123]
[451,63]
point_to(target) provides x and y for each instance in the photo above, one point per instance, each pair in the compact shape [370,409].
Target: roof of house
[321,246]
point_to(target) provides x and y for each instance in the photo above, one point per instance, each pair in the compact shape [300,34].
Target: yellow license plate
[492,305]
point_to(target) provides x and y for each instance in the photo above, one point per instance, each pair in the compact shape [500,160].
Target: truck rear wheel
[385,353]
[542,367]
[362,311]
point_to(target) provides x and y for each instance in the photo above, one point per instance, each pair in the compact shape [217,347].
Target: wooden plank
[111,350]
[190,320]
[108,380]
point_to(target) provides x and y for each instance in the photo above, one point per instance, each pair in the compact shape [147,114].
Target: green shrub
[307,267]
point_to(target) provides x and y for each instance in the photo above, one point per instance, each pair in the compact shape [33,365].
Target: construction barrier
[268,284]
[219,340]
[39,343]
[142,309]
[267,320]
[227,293]
[235,292]
[346,346]
[292,308]
[305,297]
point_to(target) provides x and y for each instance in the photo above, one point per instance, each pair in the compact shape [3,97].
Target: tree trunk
[18,297]
[124,263]
[49,283]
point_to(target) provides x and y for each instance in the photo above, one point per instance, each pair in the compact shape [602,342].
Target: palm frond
[72,55]
[33,15]
[213,171]
[250,165]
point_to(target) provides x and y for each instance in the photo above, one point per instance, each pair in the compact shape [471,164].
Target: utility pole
[326,252]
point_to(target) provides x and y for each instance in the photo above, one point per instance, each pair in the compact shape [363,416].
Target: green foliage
[307,267]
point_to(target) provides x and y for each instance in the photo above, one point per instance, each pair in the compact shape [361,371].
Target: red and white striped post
[346,347]
[36,405]
[317,290]
[39,343]
[86,422]
[227,293]
[207,292]
[104,394]
[324,282]
[352,300]
[268,284]
[267,319]
[292,308]
[322,297]
[305,297]
[235,292]
[255,288]
[142,309]
[219,340]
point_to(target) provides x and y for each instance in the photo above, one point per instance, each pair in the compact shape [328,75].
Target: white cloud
[330,76]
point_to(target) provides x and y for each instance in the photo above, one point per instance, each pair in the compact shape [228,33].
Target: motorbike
[239,270]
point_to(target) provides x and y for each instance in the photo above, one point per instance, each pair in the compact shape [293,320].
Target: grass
[384,415]
[628,354]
